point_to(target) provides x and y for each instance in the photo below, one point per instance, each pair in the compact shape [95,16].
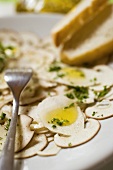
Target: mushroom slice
[47,84]
[81,94]
[50,134]
[72,76]
[3,134]
[37,127]
[39,94]
[32,112]
[109,95]
[42,131]
[104,75]
[36,58]
[101,110]
[50,139]
[29,40]
[60,115]
[3,84]
[51,150]
[10,37]
[5,100]
[78,138]
[28,101]
[23,132]
[37,143]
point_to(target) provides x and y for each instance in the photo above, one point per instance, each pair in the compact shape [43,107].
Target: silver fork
[16,80]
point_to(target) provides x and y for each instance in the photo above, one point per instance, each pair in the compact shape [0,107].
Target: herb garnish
[70,95]
[93,114]
[53,126]
[71,105]
[102,93]
[2,117]
[78,92]
[56,121]
[59,75]
[5,53]
[94,80]
[1,138]
[70,144]
[8,124]
[54,67]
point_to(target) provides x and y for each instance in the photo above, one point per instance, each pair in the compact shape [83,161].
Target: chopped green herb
[93,114]
[5,53]
[93,80]
[8,124]
[71,105]
[82,74]
[69,144]
[103,92]
[59,75]
[59,122]
[1,138]
[78,92]
[53,126]
[2,117]
[53,68]
[81,93]
[70,95]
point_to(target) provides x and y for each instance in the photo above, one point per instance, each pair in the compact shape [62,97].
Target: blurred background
[9,7]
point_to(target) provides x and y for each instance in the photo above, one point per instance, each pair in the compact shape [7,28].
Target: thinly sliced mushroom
[3,135]
[50,134]
[7,109]
[37,143]
[78,138]
[104,75]
[70,76]
[32,100]
[101,110]
[82,95]
[32,112]
[43,131]
[50,104]
[50,139]
[51,150]
[5,100]
[109,95]
[37,127]
[23,132]
[29,41]
[39,94]
[3,84]
[47,84]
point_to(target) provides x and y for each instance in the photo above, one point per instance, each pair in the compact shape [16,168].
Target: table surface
[8,9]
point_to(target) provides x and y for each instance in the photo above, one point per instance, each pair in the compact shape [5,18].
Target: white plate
[91,155]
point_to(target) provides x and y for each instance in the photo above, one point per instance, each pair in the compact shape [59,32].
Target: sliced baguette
[74,20]
[93,41]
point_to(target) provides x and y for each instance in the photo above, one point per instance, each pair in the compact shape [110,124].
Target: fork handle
[7,155]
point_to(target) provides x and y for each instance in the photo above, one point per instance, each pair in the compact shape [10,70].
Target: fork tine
[17,78]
